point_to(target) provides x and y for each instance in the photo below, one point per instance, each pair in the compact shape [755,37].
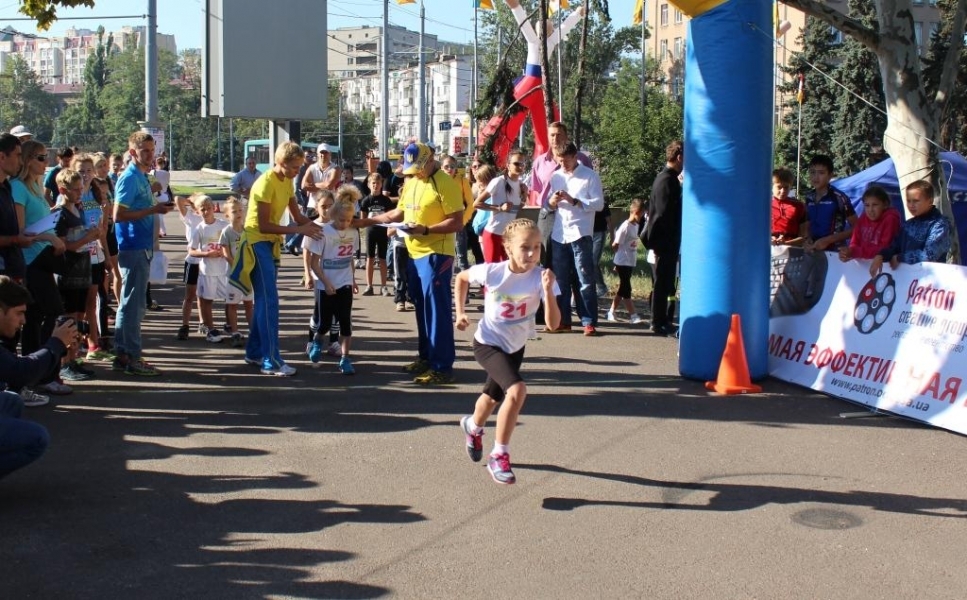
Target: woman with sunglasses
[44,257]
[503,197]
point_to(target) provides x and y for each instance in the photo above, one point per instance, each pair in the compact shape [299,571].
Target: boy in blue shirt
[831,214]
[924,237]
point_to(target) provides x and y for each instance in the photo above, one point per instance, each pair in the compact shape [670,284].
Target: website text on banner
[895,342]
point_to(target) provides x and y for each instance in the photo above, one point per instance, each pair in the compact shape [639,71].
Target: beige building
[669,32]
[60,60]
[356,51]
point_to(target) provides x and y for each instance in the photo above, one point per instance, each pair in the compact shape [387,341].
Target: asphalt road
[214,481]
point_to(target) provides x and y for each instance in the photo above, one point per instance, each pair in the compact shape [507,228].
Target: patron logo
[875,303]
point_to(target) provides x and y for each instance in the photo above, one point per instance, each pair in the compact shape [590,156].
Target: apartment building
[60,60]
[356,51]
[448,83]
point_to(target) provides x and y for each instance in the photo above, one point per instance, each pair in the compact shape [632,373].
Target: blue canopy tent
[884,175]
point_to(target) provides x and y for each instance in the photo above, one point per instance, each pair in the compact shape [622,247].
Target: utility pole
[384,101]
[151,66]
[422,136]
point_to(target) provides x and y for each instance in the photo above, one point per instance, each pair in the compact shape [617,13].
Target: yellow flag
[406,1]
[484,4]
[638,15]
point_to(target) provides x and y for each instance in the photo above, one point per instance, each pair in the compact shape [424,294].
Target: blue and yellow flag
[484,4]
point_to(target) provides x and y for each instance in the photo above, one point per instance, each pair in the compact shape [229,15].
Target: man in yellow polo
[430,211]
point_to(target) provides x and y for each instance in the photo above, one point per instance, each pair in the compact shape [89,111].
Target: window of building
[663,19]
[679,46]
[662,50]
[349,60]
[835,36]
[918,33]
[678,16]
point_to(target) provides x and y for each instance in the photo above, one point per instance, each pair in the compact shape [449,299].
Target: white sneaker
[610,318]
[283,371]
[32,398]
[202,330]
[635,319]
[334,349]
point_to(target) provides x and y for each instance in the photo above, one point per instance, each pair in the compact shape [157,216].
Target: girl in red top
[790,222]
[876,227]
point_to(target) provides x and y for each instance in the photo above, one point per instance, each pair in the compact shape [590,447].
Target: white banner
[158,133]
[895,342]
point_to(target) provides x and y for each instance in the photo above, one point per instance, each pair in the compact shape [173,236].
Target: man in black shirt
[12,242]
[663,235]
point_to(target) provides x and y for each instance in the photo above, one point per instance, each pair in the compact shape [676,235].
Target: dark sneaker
[214,336]
[237,340]
[119,363]
[80,368]
[417,367]
[432,377]
[334,349]
[368,291]
[253,362]
[499,467]
[142,368]
[54,388]
[182,333]
[474,440]
[346,366]
[71,373]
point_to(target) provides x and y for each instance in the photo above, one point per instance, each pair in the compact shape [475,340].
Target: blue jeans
[21,442]
[263,337]
[597,241]
[568,259]
[429,286]
[134,266]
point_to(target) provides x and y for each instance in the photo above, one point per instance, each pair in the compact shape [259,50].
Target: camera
[83,327]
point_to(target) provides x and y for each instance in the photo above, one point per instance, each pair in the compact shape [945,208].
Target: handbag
[158,274]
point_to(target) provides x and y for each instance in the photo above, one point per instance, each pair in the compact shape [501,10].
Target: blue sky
[183,18]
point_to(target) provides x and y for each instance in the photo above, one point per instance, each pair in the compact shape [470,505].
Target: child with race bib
[332,269]
[516,288]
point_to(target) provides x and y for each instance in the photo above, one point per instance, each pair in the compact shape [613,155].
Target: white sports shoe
[635,319]
[32,398]
[283,371]
[611,318]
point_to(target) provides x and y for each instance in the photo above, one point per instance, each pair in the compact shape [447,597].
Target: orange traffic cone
[734,370]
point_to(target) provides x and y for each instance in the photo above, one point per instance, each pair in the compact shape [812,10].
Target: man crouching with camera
[21,441]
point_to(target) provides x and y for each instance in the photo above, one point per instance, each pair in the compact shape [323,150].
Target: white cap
[20,131]
[324,147]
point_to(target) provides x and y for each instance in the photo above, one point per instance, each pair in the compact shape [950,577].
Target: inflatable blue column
[725,257]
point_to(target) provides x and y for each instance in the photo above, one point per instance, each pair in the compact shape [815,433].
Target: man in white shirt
[321,176]
[575,194]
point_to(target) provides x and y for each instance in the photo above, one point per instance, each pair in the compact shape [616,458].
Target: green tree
[45,11]
[821,98]
[858,127]
[24,101]
[631,142]
[953,115]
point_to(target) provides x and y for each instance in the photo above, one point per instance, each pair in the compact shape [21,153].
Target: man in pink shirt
[543,167]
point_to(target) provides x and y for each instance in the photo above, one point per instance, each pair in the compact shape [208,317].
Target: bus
[259,149]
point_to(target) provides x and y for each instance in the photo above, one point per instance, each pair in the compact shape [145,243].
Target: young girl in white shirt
[515,289]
